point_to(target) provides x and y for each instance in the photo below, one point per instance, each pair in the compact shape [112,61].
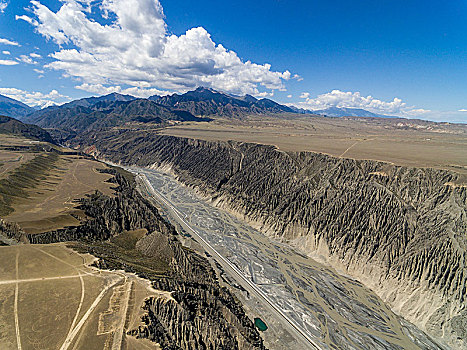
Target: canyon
[193,310]
[399,230]
[289,220]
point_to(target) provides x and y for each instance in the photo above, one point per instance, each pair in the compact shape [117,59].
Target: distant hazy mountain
[349,112]
[89,101]
[12,126]
[73,118]
[209,102]
[13,108]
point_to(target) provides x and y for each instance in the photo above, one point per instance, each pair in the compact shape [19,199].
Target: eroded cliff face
[200,314]
[401,231]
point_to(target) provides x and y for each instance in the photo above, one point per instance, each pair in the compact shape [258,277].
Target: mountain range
[117,109]
[14,108]
[90,101]
[338,112]
[209,102]
[99,113]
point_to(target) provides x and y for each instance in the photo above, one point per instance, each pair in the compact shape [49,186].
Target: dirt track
[57,298]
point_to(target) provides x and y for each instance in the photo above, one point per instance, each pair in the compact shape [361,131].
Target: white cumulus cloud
[133,48]
[8,42]
[26,59]
[34,98]
[305,95]
[338,98]
[8,63]
[6,52]
[133,91]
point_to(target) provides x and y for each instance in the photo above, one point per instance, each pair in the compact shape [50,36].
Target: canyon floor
[329,311]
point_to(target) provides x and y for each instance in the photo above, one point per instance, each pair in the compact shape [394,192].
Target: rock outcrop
[201,314]
[109,216]
[400,230]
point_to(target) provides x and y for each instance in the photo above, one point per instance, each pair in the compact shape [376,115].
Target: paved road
[231,269]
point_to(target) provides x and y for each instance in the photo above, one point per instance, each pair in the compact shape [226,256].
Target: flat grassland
[398,141]
[50,298]
[38,188]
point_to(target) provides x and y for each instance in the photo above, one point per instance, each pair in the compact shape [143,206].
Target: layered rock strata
[400,230]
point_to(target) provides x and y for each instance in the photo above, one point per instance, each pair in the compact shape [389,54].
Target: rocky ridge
[201,313]
[209,102]
[12,126]
[13,108]
[399,230]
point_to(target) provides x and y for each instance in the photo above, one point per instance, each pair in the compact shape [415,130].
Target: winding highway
[251,287]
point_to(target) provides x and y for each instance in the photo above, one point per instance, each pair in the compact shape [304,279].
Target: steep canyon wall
[399,230]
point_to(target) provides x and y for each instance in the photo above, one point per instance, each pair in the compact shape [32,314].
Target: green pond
[260,324]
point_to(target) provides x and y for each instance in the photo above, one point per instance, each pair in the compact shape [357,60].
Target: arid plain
[52,299]
[406,142]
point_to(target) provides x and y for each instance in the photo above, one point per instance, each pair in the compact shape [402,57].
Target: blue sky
[405,58]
